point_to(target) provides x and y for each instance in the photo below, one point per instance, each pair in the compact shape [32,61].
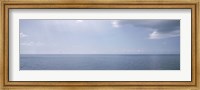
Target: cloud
[161,28]
[158,35]
[22,35]
[27,43]
[31,43]
[115,24]
[79,21]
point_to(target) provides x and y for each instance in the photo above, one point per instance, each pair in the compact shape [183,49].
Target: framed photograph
[132,44]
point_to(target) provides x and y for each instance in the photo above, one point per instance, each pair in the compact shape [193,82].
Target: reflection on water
[100,62]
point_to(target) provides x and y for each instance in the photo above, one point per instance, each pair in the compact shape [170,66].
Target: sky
[125,36]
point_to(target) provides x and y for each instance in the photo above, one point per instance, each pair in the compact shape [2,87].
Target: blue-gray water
[100,62]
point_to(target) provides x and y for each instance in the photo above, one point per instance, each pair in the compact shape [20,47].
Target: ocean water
[100,62]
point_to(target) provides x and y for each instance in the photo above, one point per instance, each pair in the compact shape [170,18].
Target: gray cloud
[162,28]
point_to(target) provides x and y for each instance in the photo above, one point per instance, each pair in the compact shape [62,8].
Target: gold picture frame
[182,85]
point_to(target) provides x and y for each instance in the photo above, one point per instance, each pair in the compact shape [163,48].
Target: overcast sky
[99,36]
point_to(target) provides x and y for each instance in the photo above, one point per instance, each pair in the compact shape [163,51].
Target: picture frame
[193,84]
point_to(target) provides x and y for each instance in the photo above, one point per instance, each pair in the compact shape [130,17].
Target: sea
[99,61]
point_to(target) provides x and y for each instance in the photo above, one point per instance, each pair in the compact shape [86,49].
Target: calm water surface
[100,62]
